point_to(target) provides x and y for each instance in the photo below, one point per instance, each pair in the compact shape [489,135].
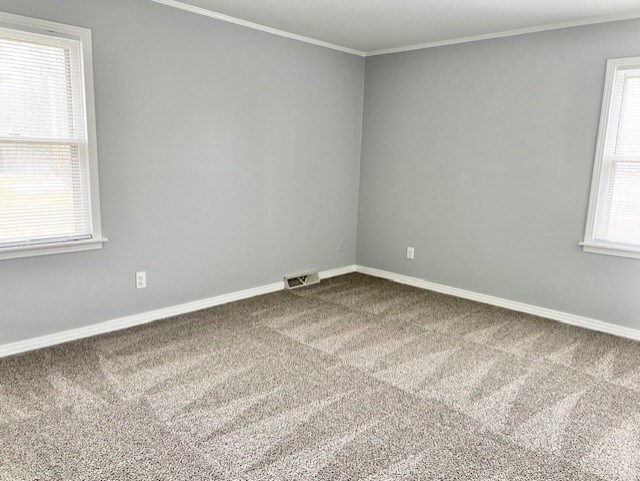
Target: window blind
[44,181]
[618,217]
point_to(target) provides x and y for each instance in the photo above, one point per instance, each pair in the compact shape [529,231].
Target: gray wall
[480,155]
[228,157]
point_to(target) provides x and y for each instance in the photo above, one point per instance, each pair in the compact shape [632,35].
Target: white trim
[92,131]
[83,35]
[282,33]
[38,25]
[406,48]
[507,33]
[611,250]
[158,314]
[22,140]
[340,271]
[564,317]
[257,26]
[35,250]
[150,316]
[589,232]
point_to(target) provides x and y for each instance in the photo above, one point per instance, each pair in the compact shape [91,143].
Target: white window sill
[54,248]
[611,250]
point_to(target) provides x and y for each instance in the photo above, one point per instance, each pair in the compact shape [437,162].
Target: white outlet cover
[410,253]
[141,280]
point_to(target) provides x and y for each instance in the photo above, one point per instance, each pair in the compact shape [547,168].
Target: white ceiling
[372,25]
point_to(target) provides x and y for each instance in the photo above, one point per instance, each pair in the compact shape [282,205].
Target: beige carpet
[356,378]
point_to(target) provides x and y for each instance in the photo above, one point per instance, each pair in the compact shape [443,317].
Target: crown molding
[507,33]
[257,26]
[407,48]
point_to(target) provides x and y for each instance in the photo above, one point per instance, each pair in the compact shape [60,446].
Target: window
[49,200]
[613,223]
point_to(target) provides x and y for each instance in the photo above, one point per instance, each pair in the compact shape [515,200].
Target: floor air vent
[301,280]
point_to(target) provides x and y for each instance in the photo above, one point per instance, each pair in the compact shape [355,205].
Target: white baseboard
[340,271]
[150,316]
[564,317]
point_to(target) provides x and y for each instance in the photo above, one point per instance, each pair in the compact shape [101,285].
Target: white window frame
[44,27]
[598,189]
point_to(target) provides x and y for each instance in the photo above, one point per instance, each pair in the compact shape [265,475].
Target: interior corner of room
[331,239]
[225,168]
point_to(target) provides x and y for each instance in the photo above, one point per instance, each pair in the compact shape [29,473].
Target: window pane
[40,92]
[42,193]
[629,125]
[622,204]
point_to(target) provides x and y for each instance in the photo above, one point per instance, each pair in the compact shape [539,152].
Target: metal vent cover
[295,281]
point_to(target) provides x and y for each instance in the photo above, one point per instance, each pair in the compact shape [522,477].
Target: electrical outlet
[410,253]
[341,245]
[141,280]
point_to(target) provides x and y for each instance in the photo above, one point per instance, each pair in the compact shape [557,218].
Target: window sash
[615,207]
[43,79]
[44,193]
